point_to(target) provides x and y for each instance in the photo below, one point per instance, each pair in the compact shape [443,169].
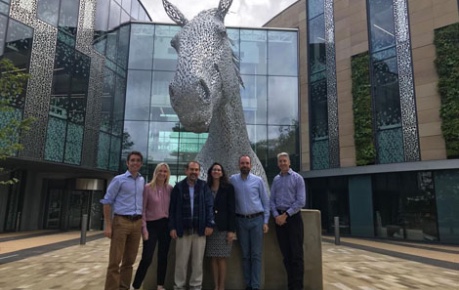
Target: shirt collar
[128,174]
[289,172]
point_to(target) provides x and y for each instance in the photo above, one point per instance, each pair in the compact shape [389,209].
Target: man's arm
[209,205]
[300,196]
[172,212]
[108,220]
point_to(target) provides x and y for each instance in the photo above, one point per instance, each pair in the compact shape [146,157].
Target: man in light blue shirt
[124,197]
[252,215]
[288,197]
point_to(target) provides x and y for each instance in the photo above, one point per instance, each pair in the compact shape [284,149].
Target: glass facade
[385,82]
[270,96]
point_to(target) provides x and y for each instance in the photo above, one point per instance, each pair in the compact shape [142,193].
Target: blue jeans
[250,236]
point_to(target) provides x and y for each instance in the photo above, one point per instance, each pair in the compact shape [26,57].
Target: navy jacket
[224,208]
[205,206]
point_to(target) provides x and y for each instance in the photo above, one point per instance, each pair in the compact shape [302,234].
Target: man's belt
[134,217]
[249,216]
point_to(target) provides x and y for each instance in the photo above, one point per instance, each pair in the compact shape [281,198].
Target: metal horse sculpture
[205,91]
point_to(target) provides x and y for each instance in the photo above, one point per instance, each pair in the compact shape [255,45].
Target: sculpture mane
[205,91]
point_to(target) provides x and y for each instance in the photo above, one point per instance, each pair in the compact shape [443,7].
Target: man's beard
[245,170]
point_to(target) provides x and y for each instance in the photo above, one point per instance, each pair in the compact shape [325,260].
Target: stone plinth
[273,274]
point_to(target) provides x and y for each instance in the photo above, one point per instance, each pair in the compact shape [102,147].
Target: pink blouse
[155,203]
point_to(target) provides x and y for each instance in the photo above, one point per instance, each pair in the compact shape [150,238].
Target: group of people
[203,218]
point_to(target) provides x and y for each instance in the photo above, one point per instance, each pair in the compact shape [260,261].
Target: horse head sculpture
[205,91]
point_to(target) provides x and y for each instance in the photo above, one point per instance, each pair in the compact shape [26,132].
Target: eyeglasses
[216,170]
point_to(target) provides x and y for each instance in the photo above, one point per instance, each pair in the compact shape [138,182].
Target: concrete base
[273,274]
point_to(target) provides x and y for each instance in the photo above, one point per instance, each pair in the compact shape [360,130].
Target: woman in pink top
[156,198]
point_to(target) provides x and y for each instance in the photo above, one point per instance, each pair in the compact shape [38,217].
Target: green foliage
[12,84]
[363,121]
[447,63]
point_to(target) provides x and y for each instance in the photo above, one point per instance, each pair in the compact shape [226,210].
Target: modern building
[362,93]
[379,119]
[98,88]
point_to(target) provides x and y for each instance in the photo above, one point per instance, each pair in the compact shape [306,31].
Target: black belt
[134,217]
[249,216]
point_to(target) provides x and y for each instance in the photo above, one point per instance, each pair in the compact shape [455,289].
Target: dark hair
[223,180]
[193,161]
[245,155]
[134,153]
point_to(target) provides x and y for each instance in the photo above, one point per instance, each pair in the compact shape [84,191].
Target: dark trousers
[291,237]
[157,232]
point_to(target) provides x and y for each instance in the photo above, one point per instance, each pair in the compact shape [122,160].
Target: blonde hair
[152,184]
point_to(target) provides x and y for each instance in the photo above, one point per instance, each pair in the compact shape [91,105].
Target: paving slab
[84,266]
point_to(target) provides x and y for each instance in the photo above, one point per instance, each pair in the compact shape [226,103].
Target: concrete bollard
[84,226]
[273,276]
[337,238]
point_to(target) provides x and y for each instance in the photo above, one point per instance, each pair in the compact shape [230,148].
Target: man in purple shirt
[124,197]
[288,196]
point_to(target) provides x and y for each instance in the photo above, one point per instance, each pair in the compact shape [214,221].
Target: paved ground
[344,267]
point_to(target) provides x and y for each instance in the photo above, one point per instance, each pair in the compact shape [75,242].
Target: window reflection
[315,8]
[163,144]
[135,137]
[3,25]
[48,11]
[161,109]
[253,51]
[254,97]
[141,46]
[68,16]
[282,100]
[281,43]
[381,24]
[165,57]
[18,44]
[138,95]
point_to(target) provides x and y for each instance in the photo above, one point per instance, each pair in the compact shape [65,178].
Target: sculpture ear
[223,8]
[174,13]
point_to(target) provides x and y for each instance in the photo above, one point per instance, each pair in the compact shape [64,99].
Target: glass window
[254,97]
[163,143]
[4,8]
[258,137]
[161,109]
[385,72]
[382,27]
[447,192]
[281,43]
[233,35]
[319,109]
[282,100]
[73,144]
[3,25]
[112,40]
[124,17]
[115,153]
[48,11]
[253,51]
[141,46]
[68,16]
[114,17]
[63,64]
[123,46]
[387,105]
[315,8]
[55,139]
[118,111]
[80,74]
[18,44]
[135,10]
[102,152]
[138,95]
[126,4]
[101,17]
[165,57]
[135,137]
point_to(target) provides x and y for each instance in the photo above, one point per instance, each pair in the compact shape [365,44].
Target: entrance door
[79,204]
[54,209]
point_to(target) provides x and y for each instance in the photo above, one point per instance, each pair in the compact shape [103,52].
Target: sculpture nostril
[205,88]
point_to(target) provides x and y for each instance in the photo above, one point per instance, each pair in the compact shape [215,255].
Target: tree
[12,85]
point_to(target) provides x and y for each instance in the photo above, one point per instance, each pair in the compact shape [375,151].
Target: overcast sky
[244,13]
